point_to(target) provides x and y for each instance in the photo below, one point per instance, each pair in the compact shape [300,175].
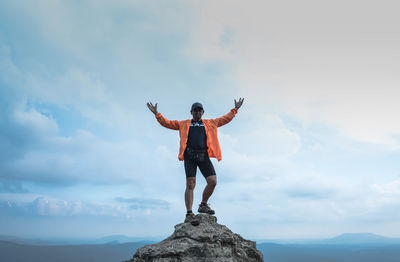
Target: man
[198,142]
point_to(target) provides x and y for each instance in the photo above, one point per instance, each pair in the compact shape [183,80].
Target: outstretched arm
[223,120]
[174,124]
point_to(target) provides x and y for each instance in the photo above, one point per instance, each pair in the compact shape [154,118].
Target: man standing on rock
[198,142]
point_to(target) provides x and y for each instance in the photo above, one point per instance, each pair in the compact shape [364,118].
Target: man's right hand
[152,108]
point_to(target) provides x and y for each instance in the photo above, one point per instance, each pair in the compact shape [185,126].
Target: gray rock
[206,242]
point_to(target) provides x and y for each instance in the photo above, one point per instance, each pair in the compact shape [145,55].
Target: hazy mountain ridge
[343,239]
[113,239]
[346,238]
[363,238]
[329,253]
[348,247]
[42,253]
[344,248]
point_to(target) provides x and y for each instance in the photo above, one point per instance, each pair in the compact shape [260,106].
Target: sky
[313,152]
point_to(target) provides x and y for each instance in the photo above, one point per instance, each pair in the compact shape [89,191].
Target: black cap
[196,105]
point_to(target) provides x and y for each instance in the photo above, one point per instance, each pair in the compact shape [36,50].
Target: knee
[190,185]
[212,181]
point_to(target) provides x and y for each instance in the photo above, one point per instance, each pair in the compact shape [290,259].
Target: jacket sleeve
[171,124]
[226,118]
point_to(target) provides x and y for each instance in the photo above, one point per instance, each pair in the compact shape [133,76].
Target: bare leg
[190,184]
[209,189]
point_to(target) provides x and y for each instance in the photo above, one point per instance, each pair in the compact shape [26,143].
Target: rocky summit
[207,242]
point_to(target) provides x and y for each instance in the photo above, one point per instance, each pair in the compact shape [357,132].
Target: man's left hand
[239,103]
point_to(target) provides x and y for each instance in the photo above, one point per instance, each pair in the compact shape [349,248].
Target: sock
[189,212]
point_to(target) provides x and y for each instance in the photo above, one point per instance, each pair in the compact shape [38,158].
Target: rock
[207,242]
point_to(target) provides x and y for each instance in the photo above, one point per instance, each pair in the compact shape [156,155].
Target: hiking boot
[191,218]
[205,208]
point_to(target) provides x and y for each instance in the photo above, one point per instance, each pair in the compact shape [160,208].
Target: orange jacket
[210,126]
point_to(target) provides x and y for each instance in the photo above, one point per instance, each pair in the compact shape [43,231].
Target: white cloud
[389,189]
[320,63]
[35,122]
[42,155]
[163,152]
[49,206]
[84,92]
[261,146]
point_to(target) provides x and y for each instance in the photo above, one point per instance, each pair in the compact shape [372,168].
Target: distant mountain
[19,240]
[343,239]
[44,253]
[113,239]
[361,238]
[330,252]
[123,239]
[336,251]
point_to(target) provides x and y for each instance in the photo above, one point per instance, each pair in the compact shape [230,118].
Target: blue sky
[313,152]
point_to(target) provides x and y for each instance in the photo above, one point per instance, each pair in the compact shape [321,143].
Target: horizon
[350,249]
[314,150]
[131,239]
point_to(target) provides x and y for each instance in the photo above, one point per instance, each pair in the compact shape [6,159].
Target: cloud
[78,218]
[89,74]
[389,189]
[45,206]
[257,145]
[320,88]
[144,203]
[84,158]
[308,64]
[106,63]
[12,187]
[41,206]
[308,193]
[34,150]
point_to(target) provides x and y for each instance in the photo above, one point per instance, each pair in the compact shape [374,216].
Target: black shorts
[192,160]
